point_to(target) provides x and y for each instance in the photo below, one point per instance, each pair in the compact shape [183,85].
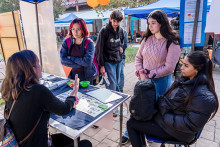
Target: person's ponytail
[209,72]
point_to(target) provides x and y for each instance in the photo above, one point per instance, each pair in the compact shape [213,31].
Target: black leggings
[60,140]
[150,128]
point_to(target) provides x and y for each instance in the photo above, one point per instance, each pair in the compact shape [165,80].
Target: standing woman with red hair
[77,52]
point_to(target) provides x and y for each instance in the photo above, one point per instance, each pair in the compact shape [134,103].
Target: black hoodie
[108,45]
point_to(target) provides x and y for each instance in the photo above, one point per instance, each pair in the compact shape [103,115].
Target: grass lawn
[1,101]
[130,53]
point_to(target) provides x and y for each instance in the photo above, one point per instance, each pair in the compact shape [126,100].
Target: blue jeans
[161,84]
[122,77]
[113,72]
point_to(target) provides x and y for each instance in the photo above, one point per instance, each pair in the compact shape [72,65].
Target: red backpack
[67,69]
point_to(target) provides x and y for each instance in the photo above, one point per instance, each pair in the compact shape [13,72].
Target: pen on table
[85,90]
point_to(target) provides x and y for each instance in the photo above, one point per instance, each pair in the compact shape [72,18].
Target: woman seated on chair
[185,107]
[32,102]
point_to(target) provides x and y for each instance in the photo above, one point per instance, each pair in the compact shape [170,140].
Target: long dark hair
[166,30]
[204,66]
[19,74]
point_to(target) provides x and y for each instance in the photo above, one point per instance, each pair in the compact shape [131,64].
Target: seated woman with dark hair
[32,101]
[185,107]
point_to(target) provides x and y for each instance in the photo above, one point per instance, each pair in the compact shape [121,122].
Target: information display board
[187,16]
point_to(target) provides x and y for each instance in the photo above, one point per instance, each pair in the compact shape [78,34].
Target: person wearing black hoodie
[109,50]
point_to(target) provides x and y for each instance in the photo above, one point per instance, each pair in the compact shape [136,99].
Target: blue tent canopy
[34,1]
[168,6]
[69,18]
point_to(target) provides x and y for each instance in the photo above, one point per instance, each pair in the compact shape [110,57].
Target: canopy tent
[39,32]
[91,15]
[35,2]
[67,20]
[168,6]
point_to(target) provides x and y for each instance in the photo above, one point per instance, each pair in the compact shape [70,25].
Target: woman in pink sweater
[159,52]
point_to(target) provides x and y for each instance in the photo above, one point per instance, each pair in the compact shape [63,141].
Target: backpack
[67,70]
[142,104]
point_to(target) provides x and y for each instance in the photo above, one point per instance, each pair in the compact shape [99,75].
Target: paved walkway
[101,137]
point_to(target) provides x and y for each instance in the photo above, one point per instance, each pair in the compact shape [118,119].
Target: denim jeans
[161,84]
[122,77]
[113,72]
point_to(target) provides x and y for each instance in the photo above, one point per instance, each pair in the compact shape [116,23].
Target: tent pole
[195,25]
[38,32]
[16,32]
[2,51]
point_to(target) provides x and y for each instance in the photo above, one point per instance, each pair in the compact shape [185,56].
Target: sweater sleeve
[170,64]
[64,59]
[52,103]
[139,56]
[87,59]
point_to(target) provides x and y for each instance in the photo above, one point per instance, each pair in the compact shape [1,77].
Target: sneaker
[115,114]
[124,140]
[95,127]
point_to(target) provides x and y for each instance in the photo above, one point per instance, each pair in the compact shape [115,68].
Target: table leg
[121,120]
[76,142]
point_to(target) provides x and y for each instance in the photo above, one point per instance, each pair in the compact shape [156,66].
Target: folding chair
[176,143]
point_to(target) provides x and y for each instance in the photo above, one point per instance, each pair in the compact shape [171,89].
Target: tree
[122,3]
[117,4]
[58,9]
[9,5]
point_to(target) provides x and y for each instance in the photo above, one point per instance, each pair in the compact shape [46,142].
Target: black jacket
[184,122]
[108,45]
[27,110]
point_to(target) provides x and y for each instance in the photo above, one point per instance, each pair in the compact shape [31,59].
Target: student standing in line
[30,101]
[185,107]
[109,50]
[122,77]
[77,52]
[158,54]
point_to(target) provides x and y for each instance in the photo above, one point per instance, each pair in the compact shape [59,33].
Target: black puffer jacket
[184,122]
[108,45]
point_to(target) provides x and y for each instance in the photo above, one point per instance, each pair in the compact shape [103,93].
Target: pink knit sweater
[153,55]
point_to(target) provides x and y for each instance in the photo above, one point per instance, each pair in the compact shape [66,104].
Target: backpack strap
[86,44]
[29,134]
[68,42]
[168,44]
[121,35]
[8,115]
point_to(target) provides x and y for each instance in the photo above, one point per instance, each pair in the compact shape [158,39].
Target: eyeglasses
[77,30]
